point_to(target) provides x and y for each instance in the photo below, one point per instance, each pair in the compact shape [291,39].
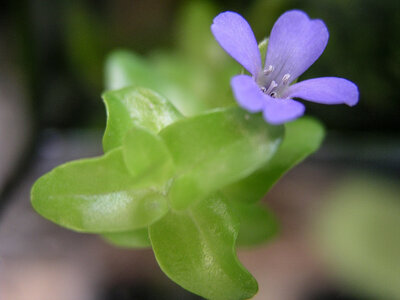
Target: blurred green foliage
[85,43]
[358,234]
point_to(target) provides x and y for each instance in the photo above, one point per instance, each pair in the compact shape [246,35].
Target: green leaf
[257,223]
[147,157]
[187,82]
[215,149]
[124,68]
[302,137]
[96,195]
[196,249]
[135,106]
[138,238]
[192,84]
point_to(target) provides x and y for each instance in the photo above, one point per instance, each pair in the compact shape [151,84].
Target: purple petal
[326,90]
[235,36]
[247,93]
[278,111]
[295,44]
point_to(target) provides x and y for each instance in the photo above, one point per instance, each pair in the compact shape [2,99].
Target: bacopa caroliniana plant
[189,187]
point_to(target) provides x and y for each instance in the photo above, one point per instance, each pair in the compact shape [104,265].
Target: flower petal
[295,44]
[326,90]
[278,111]
[235,36]
[247,93]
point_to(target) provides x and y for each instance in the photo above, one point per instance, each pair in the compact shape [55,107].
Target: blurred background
[339,210]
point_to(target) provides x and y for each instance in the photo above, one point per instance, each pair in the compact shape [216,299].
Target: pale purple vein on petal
[295,44]
[279,111]
[247,93]
[326,90]
[235,36]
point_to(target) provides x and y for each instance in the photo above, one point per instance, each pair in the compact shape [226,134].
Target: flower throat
[269,86]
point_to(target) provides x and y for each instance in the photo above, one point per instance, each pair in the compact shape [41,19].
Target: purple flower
[295,43]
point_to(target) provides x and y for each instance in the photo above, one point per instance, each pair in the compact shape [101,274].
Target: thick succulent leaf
[138,238]
[257,223]
[147,157]
[302,137]
[215,149]
[196,249]
[96,195]
[135,106]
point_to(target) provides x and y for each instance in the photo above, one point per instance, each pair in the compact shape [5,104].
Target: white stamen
[263,89]
[269,70]
[285,78]
[271,87]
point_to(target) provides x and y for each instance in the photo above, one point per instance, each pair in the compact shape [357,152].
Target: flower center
[271,86]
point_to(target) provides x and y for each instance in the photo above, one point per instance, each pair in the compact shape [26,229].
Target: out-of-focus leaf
[195,38]
[210,67]
[135,106]
[257,223]
[85,42]
[138,238]
[205,83]
[187,82]
[196,249]
[302,137]
[215,149]
[124,68]
[358,233]
[146,156]
[96,195]
[168,75]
